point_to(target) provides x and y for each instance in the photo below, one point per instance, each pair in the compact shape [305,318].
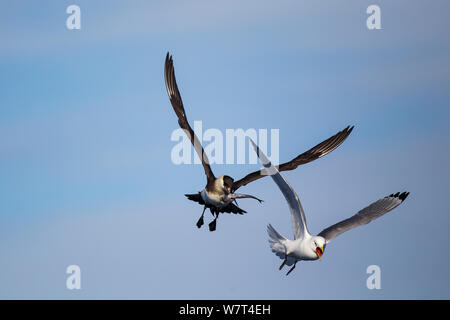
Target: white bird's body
[300,249]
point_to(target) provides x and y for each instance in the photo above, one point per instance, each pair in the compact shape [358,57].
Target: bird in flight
[219,193]
[306,246]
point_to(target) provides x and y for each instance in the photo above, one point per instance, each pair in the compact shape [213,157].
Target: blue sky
[85,124]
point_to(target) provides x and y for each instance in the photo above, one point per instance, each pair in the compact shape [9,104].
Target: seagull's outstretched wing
[295,207]
[372,212]
[312,154]
[177,104]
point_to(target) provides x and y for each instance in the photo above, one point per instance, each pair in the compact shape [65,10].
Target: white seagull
[308,247]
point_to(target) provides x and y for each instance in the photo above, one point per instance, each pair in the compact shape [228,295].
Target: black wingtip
[169,60]
[350,129]
[402,196]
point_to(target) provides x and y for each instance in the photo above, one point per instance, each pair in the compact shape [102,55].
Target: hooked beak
[319,252]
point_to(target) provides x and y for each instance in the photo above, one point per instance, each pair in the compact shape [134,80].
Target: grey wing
[372,212]
[177,104]
[312,154]
[295,207]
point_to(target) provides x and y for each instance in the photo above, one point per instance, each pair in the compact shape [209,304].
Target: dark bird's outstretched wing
[372,212]
[312,154]
[177,104]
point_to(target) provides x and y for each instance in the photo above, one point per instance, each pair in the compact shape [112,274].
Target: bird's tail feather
[276,241]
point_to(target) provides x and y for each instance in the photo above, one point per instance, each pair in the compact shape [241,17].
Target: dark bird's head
[227,183]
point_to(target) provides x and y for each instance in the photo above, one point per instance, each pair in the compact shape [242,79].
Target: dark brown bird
[219,193]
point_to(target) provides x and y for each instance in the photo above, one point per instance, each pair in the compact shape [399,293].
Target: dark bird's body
[219,193]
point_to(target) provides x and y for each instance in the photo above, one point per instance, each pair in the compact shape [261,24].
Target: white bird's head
[318,244]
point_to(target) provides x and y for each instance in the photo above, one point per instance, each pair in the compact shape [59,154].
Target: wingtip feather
[402,196]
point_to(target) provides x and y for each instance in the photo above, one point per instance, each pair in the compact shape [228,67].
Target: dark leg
[284,262]
[293,267]
[200,221]
[212,225]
